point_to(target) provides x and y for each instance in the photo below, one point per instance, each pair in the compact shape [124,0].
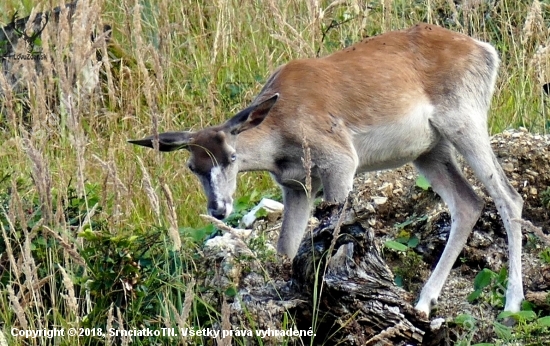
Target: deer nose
[219,213]
[217,209]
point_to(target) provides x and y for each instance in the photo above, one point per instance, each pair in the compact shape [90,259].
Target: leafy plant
[242,205]
[544,255]
[490,287]
[422,182]
[410,261]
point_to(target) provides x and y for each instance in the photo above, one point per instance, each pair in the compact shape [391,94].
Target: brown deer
[405,96]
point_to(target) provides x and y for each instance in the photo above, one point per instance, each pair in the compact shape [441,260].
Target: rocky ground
[391,206]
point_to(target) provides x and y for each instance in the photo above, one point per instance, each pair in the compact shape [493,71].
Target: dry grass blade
[87,219]
[9,251]
[225,325]
[125,340]
[36,286]
[222,226]
[149,191]
[336,232]
[110,319]
[8,101]
[17,309]
[119,187]
[172,218]
[540,64]
[534,22]
[70,298]
[42,178]
[3,341]
[70,249]
[188,302]
[181,319]
[30,270]
[288,33]
[306,162]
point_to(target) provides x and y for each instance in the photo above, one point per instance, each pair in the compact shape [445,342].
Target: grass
[90,234]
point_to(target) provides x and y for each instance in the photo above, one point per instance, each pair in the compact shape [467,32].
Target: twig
[306,161]
[528,226]
[333,24]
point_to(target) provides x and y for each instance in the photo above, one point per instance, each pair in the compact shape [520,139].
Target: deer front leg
[337,178]
[298,203]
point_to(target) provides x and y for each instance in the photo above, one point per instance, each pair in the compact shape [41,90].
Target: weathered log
[356,285]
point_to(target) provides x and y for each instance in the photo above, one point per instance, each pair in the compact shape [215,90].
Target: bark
[357,286]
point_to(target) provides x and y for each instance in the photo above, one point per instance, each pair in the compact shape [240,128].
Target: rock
[273,208]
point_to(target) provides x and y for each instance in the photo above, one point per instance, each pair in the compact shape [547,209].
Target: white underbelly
[395,144]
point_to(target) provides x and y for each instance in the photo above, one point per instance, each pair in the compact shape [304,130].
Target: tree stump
[359,302]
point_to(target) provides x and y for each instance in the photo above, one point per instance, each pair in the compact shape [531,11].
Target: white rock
[229,243]
[436,323]
[378,200]
[271,206]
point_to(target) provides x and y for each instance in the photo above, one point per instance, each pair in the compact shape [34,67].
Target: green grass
[180,65]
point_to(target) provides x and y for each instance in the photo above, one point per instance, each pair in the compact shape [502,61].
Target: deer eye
[233,157]
[191,167]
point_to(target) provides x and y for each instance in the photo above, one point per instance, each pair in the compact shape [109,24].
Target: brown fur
[376,81]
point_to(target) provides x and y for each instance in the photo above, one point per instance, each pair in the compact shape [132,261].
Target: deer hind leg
[298,203]
[440,169]
[474,145]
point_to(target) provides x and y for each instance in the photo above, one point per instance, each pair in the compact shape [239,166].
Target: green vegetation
[529,327]
[96,233]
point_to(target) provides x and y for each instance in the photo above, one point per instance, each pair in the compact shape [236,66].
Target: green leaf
[242,203]
[505,314]
[88,234]
[502,331]
[465,320]
[527,305]
[393,245]
[403,240]
[422,182]
[261,213]
[474,295]
[404,223]
[502,275]
[518,316]
[484,344]
[398,281]
[526,315]
[198,234]
[544,321]
[484,278]
[413,242]
[231,291]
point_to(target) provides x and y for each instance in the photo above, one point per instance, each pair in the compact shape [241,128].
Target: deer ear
[251,116]
[168,141]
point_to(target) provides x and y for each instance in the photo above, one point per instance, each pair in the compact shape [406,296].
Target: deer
[417,95]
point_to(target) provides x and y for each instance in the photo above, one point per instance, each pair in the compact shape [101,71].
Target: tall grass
[91,225]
